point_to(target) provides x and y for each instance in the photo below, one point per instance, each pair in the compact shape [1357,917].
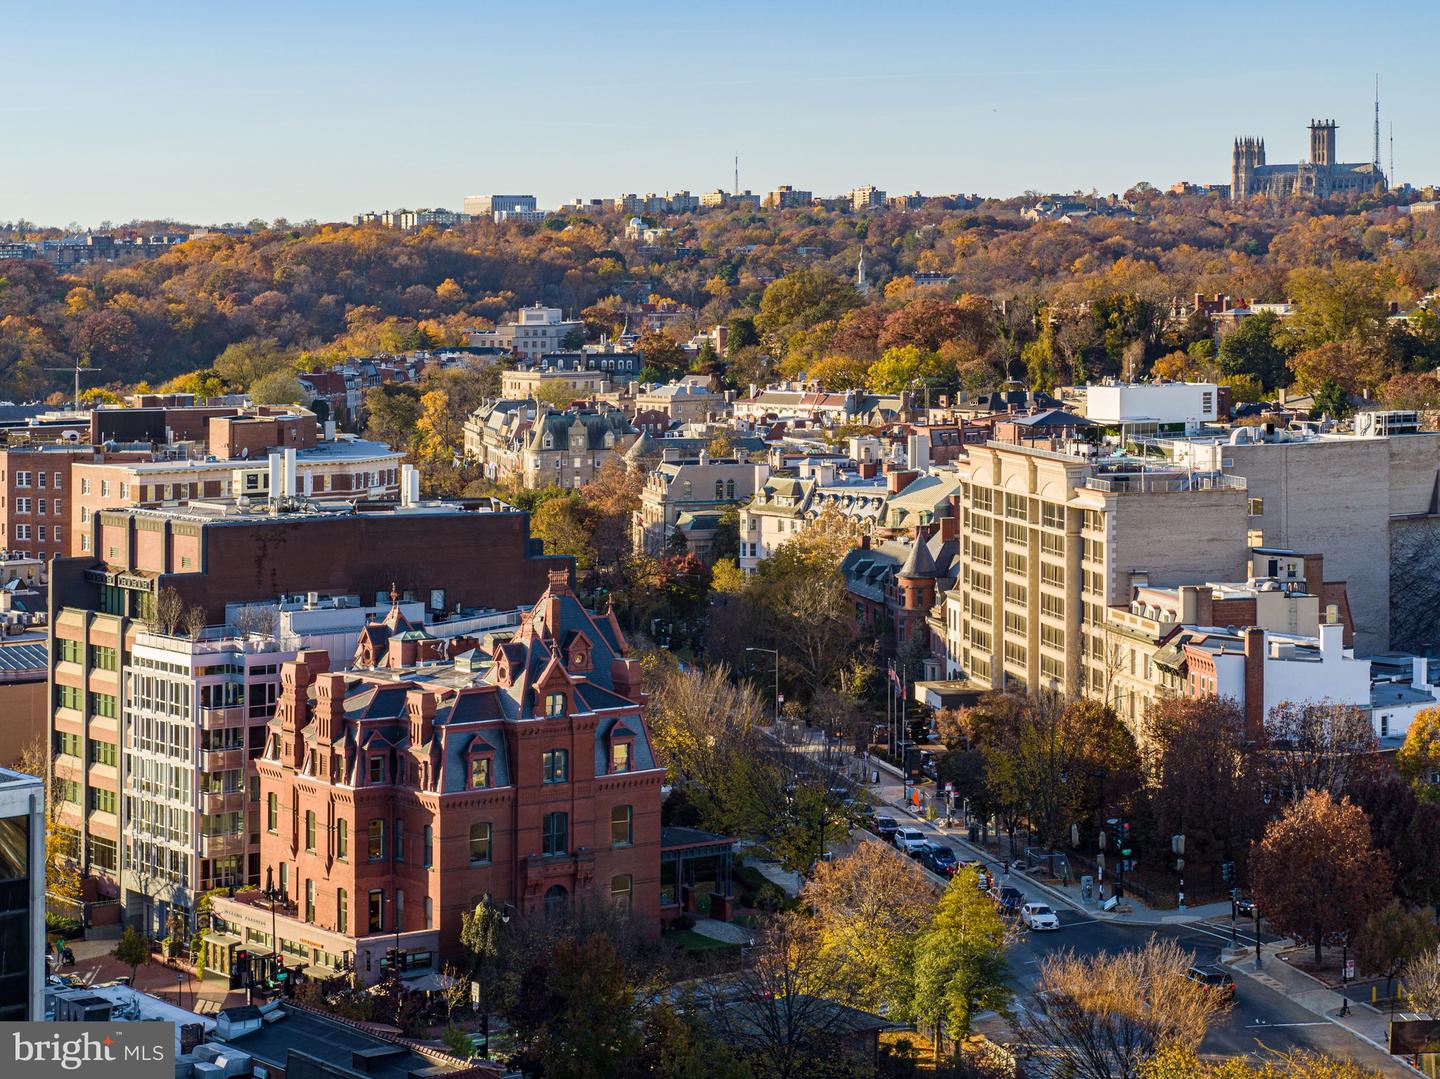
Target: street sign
[949,788]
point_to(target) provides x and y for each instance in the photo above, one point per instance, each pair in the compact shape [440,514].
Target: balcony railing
[212,719]
[222,801]
[222,846]
[1164,482]
[222,760]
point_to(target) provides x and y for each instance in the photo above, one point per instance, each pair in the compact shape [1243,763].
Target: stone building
[1322,176]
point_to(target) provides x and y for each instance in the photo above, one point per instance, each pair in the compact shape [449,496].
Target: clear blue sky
[208,112]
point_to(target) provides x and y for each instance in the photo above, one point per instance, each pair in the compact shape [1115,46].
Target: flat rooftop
[234,512]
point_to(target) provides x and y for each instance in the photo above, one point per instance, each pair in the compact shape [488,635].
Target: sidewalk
[891,792]
[1365,1022]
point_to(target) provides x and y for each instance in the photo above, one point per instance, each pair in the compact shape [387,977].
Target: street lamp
[776,653]
[273,894]
[1255,910]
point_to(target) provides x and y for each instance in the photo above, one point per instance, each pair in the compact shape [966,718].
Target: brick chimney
[293,707]
[1254,682]
[329,706]
[866,470]
[420,707]
[899,479]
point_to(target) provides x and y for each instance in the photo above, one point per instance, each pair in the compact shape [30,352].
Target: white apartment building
[1153,408]
[537,331]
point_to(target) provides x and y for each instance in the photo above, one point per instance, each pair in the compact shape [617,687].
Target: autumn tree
[1178,1062]
[903,367]
[1203,781]
[1107,1015]
[870,907]
[784,1015]
[1315,875]
[1422,983]
[62,843]
[1418,758]
[1407,831]
[960,967]
[1251,349]
[1319,746]
[1392,937]
[800,301]
[132,950]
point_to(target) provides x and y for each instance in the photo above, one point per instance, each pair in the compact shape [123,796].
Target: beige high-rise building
[1050,541]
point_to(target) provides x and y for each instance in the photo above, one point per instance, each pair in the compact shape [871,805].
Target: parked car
[940,859]
[911,840]
[1214,977]
[1009,900]
[1039,916]
[886,827]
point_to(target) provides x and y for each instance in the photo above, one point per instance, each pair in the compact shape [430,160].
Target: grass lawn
[692,941]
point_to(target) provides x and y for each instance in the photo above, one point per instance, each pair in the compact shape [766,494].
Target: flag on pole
[895,681]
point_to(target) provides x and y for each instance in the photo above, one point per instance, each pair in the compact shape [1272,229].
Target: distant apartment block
[786,197]
[536,332]
[867,197]
[485,205]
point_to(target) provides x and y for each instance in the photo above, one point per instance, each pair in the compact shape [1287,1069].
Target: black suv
[1214,977]
[885,828]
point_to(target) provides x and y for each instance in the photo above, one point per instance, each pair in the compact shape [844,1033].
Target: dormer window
[481,770]
[377,769]
[620,760]
[549,442]
[555,705]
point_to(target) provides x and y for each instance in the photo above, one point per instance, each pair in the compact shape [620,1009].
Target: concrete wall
[1333,497]
[1181,537]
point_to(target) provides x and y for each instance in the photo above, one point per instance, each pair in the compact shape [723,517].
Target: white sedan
[1039,916]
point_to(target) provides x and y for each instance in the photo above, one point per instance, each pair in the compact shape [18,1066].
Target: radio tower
[737,174]
[1390,176]
[1376,158]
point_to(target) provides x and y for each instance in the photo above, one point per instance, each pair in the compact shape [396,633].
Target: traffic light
[240,969]
[1227,872]
[1120,836]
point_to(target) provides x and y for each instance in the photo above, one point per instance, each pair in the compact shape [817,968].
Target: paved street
[1262,1020]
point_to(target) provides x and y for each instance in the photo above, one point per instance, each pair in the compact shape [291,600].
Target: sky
[205,112]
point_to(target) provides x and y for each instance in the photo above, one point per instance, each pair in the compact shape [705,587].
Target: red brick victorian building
[394,798]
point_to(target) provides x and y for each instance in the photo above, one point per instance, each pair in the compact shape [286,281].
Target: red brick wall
[477,559]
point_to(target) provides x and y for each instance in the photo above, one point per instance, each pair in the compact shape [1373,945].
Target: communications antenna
[737,174]
[76,370]
[1376,158]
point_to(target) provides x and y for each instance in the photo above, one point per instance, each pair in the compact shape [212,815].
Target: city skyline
[226,129]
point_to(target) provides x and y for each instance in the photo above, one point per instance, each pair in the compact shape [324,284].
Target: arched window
[622,826]
[719,488]
[729,488]
[480,843]
[555,900]
[621,888]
